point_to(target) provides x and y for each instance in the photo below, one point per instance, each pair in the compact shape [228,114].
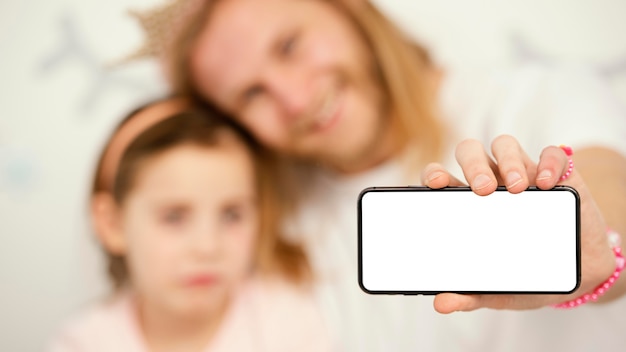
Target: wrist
[602,288]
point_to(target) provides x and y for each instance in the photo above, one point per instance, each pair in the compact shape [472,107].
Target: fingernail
[435,175]
[513,178]
[544,175]
[481,181]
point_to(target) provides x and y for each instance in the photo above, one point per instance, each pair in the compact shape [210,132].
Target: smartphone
[418,240]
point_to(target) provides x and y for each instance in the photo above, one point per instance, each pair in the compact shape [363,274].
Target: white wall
[487,33]
[58,102]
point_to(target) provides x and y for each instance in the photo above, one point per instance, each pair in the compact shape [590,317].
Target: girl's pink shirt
[265,316]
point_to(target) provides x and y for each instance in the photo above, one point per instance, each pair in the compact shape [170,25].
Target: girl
[186,207]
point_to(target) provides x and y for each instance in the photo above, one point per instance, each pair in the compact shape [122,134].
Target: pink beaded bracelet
[570,167]
[601,289]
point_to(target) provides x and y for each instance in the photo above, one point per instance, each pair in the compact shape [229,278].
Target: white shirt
[540,107]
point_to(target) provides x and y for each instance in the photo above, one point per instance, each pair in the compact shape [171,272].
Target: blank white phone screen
[456,241]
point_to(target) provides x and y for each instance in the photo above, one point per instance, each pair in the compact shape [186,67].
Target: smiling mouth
[329,112]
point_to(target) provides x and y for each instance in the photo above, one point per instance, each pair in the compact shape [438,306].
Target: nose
[204,242]
[292,91]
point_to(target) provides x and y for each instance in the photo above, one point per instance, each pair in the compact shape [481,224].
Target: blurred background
[61,94]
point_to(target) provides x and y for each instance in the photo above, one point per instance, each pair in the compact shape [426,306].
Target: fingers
[436,176]
[477,167]
[514,165]
[553,163]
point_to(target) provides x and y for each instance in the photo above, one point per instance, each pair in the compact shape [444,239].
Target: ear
[107,222]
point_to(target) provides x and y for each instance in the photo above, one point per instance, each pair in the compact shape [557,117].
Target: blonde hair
[404,69]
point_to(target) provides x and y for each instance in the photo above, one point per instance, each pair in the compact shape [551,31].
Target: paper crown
[159,25]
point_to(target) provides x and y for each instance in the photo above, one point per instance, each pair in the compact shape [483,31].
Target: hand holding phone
[418,240]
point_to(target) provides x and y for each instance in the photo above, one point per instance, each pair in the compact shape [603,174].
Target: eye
[252,92]
[232,215]
[288,45]
[174,216]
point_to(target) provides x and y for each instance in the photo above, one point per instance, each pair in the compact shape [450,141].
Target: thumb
[446,303]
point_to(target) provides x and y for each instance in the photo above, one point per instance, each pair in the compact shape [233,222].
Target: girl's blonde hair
[206,127]
[404,70]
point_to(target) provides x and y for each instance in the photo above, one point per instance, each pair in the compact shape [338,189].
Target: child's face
[190,225]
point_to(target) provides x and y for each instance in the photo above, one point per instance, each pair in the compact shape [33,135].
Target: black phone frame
[463,189]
